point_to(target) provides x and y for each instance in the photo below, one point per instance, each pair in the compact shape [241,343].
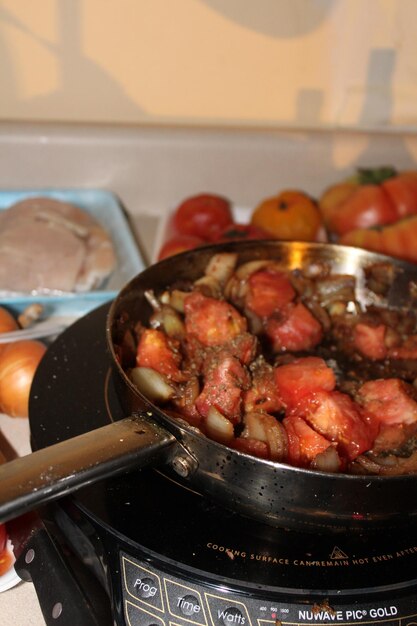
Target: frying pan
[269,492]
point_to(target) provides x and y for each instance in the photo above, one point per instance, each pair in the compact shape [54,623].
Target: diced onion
[218,427]
[175,298]
[266,428]
[152,384]
[209,286]
[244,271]
[327,461]
[170,321]
[221,266]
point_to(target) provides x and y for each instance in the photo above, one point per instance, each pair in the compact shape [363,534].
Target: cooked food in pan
[286,365]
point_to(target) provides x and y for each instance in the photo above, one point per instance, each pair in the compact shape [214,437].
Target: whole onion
[7,324]
[18,363]
[7,321]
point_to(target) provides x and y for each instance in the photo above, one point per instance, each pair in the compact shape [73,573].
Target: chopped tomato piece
[391,437]
[225,380]
[185,401]
[304,443]
[302,377]
[251,446]
[243,347]
[388,400]
[263,394]
[298,331]
[268,292]
[338,418]
[370,340]
[407,350]
[213,322]
[196,355]
[157,351]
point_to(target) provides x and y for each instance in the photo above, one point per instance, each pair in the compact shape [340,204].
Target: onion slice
[221,266]
[152,384]
[268,429]
[218,427]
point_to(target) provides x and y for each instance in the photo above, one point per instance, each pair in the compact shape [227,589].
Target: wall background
[269,63]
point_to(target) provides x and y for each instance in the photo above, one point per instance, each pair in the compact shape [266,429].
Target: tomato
[304,443]
[223,387]
[268,292]
[367,206]
[263,394]
[238,232]
[370,340]
[6,561]
[297,331]
[388,401]
[289,215]
[374,197]
[402,190]
[213,322]
[337,417]
[6,556]
[406,350]
[205,215]
[157,351]
[179,243]
[3,537]
[303,377]
[397,240]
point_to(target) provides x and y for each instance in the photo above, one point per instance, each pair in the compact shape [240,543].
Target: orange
[290,215]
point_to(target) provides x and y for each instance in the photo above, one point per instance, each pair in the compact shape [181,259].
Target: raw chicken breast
[48,245]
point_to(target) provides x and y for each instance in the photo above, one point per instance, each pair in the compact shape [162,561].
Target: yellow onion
[7,324]
[18,363]
[7,321]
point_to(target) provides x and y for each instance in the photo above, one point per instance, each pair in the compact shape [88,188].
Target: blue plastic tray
[105,207]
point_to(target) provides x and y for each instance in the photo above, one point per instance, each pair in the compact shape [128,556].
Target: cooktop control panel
[152,598]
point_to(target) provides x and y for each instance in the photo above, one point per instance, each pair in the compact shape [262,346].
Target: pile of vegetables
[375,209]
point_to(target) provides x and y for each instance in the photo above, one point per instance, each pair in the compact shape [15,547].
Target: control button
[225,612]
[139,616]
[142,584]
[185,603]
[189,605]
[231,615]
[145,587]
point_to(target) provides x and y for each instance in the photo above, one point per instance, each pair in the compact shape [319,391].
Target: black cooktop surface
[73,392]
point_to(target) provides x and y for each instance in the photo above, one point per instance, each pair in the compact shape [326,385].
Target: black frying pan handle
[55,471]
